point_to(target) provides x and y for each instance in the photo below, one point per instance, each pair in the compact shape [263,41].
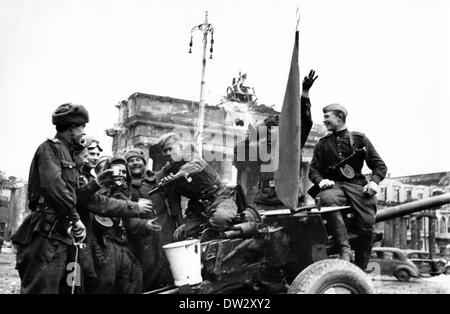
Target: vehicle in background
[393,261]
[425,262]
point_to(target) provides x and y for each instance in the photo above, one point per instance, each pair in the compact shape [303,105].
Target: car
[446,269]
[393,261]
[425,262]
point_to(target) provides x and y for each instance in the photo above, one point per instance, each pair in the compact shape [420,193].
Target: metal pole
[201,107]
[205,28]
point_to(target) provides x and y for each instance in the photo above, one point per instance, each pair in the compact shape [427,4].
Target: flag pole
[287,173]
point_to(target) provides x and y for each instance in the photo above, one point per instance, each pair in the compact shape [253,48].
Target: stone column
[396,232]
[432,234]
[387,237]
[403,233]
[415,233]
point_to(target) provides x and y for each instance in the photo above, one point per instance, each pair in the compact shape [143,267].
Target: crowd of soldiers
[98,223]
[94,215]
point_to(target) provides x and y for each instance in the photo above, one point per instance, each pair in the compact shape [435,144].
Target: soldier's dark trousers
[221,214]
[148,250]
[41,265]
[119,274]
[364,209]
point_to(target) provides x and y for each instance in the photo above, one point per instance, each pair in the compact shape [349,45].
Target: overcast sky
[386,61]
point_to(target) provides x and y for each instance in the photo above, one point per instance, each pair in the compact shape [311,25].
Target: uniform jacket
[266,189]
[52,184]
[139,189]
[334,147]
[205,188]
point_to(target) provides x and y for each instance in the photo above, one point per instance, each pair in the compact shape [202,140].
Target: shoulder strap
[352,142]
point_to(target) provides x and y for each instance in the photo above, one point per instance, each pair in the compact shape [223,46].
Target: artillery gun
[286,252]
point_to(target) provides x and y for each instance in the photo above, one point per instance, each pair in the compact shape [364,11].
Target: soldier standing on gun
[42,240]
[346,185]
[266,197]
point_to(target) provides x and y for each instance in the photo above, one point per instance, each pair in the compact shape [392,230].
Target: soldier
[145,242]
[93,156]
[42,240]
[119,270]
[95,206]
[345,184]
[266,197]
[211,203]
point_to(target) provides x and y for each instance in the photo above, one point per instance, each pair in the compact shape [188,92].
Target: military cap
[90,143]
[136,152]
[68,114]
[336,107]
[163,139]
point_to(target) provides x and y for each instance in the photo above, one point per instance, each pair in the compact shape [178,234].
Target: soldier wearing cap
[117,269]
[211,204]
[345,184]
[92,205]
[265,197]
[93,155]
[145,242]
[43,239]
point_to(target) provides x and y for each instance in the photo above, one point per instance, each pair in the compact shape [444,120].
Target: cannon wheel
[332,276]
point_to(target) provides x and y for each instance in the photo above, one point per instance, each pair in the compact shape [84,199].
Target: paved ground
[9,279]
[433,285]
[10,283]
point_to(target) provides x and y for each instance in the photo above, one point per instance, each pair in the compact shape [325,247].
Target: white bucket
[185,262]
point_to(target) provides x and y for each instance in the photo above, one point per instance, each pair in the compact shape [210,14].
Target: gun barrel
[412,207]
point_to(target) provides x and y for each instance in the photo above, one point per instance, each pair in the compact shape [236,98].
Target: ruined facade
[13,204]
[145,117]
[427,230]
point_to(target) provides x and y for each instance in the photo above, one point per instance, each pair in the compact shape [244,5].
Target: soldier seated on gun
[211,203]
[338,159]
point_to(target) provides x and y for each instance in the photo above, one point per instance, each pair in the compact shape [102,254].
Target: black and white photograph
[235,149]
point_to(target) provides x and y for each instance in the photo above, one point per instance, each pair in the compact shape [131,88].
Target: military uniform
[210,203]
[147,245]
[265,197]
[116,267]
[42,239]
[89,205]
[329,151]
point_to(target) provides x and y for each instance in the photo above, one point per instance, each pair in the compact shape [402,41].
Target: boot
[363,249]
[345,253]
[336,227]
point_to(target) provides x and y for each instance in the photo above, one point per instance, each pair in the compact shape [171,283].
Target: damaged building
[145,117]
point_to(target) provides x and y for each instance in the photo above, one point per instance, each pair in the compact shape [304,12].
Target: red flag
[287,174]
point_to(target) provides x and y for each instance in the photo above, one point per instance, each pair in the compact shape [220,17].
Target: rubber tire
[402,275]
[318,276]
